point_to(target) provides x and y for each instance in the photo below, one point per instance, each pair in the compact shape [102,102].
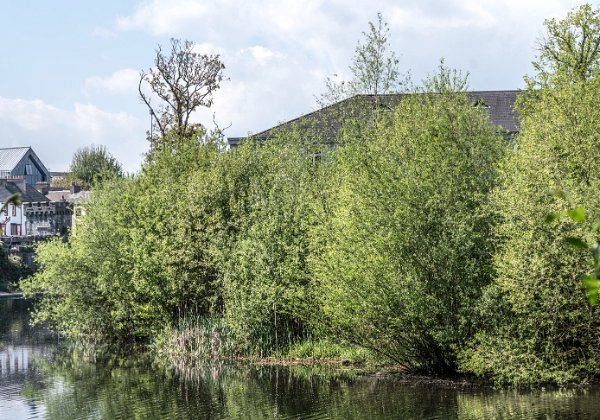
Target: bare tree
[180,82]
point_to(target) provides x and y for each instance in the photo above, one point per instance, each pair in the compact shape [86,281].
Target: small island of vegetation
[420,239]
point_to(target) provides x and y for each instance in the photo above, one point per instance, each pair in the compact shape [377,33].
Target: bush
[404,254]
[541,328]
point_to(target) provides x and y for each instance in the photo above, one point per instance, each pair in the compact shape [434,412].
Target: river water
[41,378]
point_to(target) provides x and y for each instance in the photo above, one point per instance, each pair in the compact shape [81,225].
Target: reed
[193,342]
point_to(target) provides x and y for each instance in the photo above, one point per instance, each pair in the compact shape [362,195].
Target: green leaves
[14,199]
[575,242]
[92,165]
[546,277]
[552,217]
[577,214]
[403,252]
[591,286]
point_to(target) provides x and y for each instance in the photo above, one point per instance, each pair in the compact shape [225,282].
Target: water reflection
[20,346]
[38,380]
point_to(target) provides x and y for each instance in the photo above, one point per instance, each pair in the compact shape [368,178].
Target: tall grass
[193,342]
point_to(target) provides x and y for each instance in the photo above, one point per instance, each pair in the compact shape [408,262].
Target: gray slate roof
[28,196]
[499,103]
[9,157]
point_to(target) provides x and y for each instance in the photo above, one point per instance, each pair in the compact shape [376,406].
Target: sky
[69,69]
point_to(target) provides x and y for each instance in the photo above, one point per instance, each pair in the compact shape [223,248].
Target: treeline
[422,237]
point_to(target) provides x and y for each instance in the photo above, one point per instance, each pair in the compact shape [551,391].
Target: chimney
[75,188]
[43,187]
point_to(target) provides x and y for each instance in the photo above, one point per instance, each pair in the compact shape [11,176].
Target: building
[76,200]
[22,172]
[23,162]
[35,216]
[327,122]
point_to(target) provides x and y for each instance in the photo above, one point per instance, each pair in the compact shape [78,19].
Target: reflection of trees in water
[14,324]
[78,383]
[122,389]
[541,403]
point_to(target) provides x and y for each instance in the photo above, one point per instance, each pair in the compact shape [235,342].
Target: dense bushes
[405,254]
[421,238]
[548,332]
[380,244]
[143,256]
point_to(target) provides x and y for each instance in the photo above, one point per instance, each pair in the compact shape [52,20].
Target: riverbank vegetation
[420,238]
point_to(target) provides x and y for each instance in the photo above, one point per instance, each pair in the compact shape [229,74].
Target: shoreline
[400,375]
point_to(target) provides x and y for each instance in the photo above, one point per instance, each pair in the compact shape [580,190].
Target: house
[23,162]
[77,200]
[327,122]
[35,216]
[12,219]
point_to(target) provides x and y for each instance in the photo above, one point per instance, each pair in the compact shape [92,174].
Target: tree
[181,81]
[404,255]
[537,321]
[570,49]
[92,165]
[374,68]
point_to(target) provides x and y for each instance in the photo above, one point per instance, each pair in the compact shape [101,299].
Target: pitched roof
[499,103]
[10,156]
[29,195]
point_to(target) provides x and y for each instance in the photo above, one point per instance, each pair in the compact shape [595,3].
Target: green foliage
[590,281]
[266,276]
[403,254]
[374,68]
[12,270]
[570,49]
[92,165]
[327,350]
[542,328]
[143,255]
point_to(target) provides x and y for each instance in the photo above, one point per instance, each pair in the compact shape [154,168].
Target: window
[6,210]
[3,229]
[15,229]
[14,208]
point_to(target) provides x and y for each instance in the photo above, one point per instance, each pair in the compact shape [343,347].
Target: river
[41,378]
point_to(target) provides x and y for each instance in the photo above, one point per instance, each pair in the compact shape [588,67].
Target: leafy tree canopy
[569,51]
[93,164]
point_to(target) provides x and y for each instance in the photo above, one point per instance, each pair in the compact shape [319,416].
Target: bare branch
[183,81]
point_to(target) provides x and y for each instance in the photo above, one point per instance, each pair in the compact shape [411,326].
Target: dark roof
[29,195]
[500,105]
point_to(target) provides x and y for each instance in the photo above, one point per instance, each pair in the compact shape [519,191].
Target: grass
[325,350]
[194,341]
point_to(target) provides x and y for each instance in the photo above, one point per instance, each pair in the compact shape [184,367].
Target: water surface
[41,378]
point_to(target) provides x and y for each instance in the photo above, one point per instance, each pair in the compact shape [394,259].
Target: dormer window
[479,103]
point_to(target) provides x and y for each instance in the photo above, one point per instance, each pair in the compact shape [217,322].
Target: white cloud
[121,82]
[55,133]
[161,16]
[208,48]
[277,52]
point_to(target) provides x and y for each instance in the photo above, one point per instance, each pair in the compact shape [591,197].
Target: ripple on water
[37,381]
